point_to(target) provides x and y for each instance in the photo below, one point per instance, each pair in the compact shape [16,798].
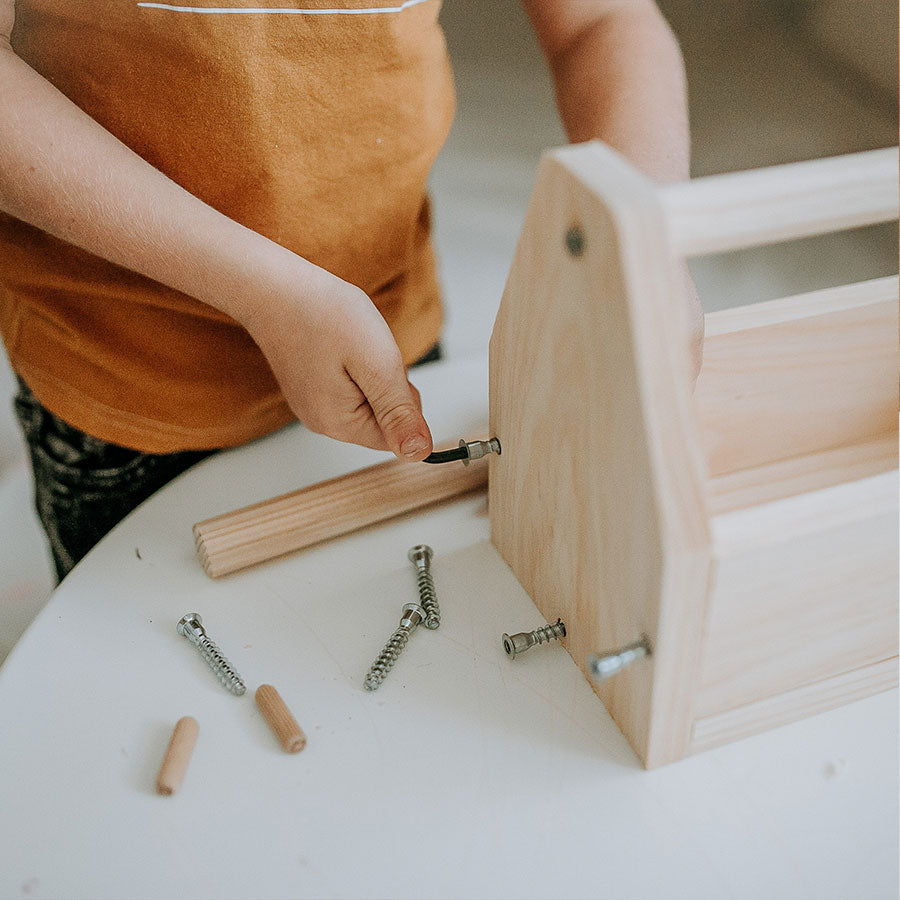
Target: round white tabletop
[466,775]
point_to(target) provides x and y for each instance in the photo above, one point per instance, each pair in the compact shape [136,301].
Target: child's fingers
[416,395]
[397,409]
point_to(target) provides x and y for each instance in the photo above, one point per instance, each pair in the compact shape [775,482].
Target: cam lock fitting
[477,449]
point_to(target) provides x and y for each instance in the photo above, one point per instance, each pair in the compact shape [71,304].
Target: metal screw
[478,449]
[420,557]
[575,240]
[191,627]
[602,666]
[515,644]
[413,614]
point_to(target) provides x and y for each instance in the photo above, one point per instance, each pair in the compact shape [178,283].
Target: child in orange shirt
[213,219]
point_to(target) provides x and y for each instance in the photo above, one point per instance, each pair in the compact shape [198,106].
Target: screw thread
[386,659]
[549,632]
[428,599]
[220,665]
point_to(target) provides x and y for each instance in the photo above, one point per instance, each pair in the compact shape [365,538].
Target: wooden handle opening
[762,206]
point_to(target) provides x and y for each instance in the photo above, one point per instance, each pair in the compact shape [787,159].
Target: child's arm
[331,351]
[619,77]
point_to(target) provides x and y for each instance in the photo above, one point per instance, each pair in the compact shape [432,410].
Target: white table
[465,775]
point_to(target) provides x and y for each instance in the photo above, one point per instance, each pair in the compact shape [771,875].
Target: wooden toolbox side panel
[597,502]
[804,590]
[789,388]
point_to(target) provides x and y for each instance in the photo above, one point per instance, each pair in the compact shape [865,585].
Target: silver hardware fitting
[420,557]
[514,644]
[603,666]
[191,627]
[477,449]
[413,614]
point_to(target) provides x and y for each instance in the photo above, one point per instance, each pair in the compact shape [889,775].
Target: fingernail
[414,445]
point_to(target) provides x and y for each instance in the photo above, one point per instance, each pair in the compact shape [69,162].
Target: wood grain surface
[748,528]
[598,501]
[327,510]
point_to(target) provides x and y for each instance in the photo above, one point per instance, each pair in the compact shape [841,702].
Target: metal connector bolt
[420,557]
[477,449]
[514,644]
[191,627]
[413,614]
[602,666]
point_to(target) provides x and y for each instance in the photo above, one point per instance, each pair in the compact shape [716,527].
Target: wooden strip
[323,511]
[763,206]
[803,588]
[290,735]
[789,388]
[801,474]
[178,755]
[802,306]
[807,700]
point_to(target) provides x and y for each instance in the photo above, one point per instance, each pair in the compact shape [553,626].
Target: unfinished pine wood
[750,530]
[807,700]
[802,588]
[802,474]
[327,510]
[762,206]
[793,384]
[598,501]
[280,719]
[178,755]
[801,306]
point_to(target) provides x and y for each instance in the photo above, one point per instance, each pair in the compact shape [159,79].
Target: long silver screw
[515,644]
[420,557]
[191,627]
[413,614]
[602,666]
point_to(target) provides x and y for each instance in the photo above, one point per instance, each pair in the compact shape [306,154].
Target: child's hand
[331,351]
[339,367]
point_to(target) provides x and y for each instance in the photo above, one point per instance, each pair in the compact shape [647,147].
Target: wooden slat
[793,386]
[802,474]
[803,588]
[802,306]
[806,700]
[323,511]
[762,206]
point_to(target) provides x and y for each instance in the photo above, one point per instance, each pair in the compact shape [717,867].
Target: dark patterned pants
[84,486]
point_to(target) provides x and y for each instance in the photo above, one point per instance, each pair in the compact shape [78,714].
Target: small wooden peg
[177,756]
[280,720]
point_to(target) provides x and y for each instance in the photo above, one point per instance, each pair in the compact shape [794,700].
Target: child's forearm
[331,351]
[619,77]
[65,174]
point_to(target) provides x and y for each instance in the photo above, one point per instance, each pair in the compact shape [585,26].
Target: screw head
[420,554]
[514,644]
[189,624]
[410,613]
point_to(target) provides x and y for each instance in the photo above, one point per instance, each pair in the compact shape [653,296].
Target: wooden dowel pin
[177,756]
[280,720]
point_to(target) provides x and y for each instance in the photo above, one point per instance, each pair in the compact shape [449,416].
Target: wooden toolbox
[745,527]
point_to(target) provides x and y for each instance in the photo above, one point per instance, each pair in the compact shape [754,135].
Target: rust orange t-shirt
[313,122]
